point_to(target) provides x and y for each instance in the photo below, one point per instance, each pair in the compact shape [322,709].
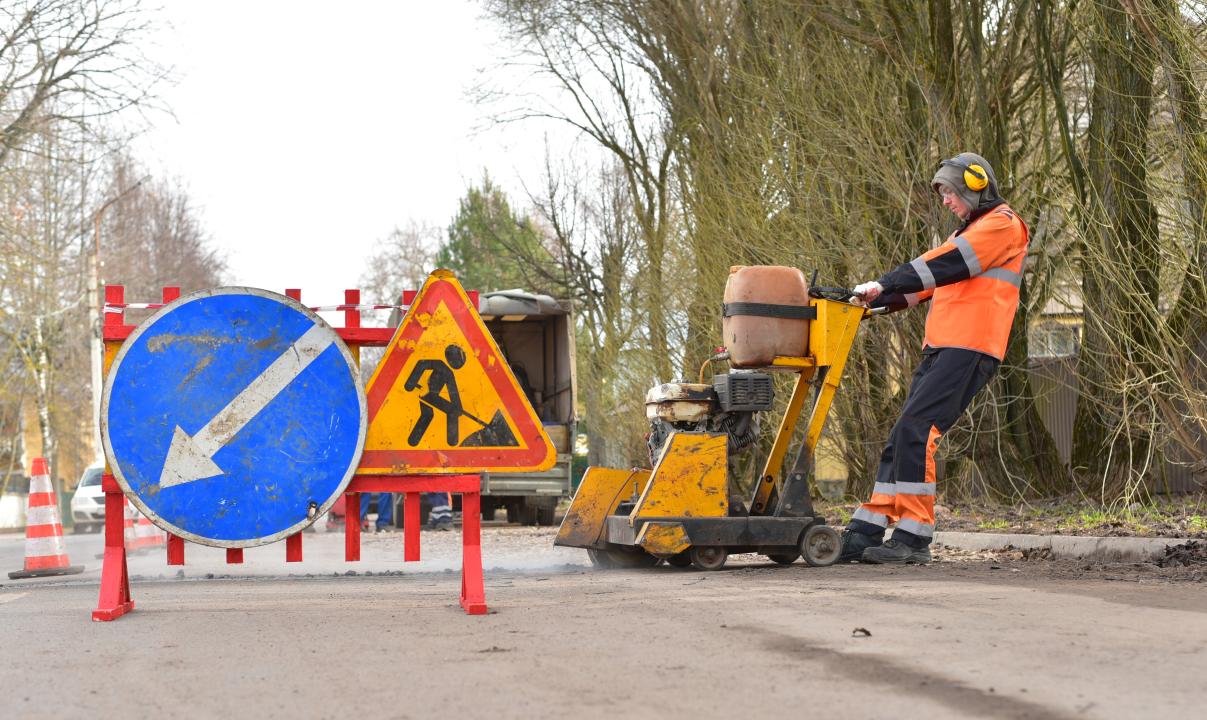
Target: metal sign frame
[150,323]
[114,599]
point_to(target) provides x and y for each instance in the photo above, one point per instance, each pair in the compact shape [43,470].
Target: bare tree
[153,236]
[43,286]
[580,49]
[594,243]
[806,134]
[67,63]
[400,261]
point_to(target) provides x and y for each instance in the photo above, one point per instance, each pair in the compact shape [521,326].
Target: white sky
[305,131]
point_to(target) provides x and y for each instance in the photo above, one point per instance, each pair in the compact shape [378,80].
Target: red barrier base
[473,591]
[115,599]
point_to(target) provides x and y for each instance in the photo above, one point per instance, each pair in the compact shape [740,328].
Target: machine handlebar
[832,293]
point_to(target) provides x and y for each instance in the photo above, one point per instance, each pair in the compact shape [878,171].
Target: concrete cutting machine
[682,510]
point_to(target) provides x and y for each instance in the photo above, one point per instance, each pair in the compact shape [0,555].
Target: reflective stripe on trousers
[440,509]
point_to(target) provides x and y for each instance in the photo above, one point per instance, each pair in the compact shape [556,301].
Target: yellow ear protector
[975,176]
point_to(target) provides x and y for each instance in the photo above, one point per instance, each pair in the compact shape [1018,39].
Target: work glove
[867,292]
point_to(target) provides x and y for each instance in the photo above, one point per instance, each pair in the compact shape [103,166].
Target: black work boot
[895,552]
[854,543]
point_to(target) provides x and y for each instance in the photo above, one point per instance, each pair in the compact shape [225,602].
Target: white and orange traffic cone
[45,551]
[129,523]
[147,535]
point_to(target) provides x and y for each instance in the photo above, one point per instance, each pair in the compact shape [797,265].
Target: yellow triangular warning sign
[443,400]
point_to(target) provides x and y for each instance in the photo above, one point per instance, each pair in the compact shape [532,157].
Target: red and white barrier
[119,308]
[45,551]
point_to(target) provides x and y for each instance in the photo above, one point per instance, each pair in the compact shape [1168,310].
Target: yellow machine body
[599,493]
[687,491]
[690,479]
[663,539]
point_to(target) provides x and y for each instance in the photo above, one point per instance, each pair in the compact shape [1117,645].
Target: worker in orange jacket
[972,282]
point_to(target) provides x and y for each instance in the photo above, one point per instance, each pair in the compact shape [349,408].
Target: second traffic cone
[45,551]
[147,535]
[129,531]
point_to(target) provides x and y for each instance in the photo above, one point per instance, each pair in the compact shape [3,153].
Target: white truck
[536,335]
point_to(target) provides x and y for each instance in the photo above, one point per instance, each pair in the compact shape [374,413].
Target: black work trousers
[942,389]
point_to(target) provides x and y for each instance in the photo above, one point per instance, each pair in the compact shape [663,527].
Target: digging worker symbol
[972,282]
[442,394]
[441,380]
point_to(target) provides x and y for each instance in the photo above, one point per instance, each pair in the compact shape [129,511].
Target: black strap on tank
[788,312]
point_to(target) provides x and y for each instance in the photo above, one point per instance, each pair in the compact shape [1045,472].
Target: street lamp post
[95,315]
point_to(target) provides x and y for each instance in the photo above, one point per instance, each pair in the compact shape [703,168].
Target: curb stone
[1065,547]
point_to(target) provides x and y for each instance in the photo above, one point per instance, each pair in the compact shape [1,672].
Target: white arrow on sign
[191,458]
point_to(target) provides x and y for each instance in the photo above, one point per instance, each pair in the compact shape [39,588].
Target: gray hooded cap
[953,177]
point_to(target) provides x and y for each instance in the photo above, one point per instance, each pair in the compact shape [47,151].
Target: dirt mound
[1041,553]
[1184,555]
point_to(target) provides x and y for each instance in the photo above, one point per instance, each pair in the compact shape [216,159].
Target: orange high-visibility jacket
[972,280]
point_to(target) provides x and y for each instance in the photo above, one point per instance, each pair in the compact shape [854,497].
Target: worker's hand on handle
[867,292]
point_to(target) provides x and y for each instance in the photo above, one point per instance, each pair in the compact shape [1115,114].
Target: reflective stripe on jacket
[973,281]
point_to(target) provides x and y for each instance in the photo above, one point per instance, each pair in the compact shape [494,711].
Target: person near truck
[440,510]
[972,282]
[385,511]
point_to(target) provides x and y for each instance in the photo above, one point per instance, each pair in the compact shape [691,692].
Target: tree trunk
[43,374]
[1119,264]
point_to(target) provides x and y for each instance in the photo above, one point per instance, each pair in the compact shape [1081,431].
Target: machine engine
[729,405]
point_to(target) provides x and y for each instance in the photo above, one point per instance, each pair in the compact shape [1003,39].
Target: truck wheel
[708,558]
[528,515]
[513,512]
[488,510]
[821,546]
[535,513]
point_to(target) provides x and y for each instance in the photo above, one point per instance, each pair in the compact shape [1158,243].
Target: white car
[88,502]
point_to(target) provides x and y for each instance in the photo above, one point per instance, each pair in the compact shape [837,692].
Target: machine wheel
[821,546]
[681,560]
[621,559]
[708,558]
[783,558]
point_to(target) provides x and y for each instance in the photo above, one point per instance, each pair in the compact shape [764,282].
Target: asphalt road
[970,636]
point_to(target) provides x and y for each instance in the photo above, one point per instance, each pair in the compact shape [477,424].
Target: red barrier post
[473,590]
[175,550]
[293,548]
[114,600]
[352,527]
[410,527]
[352,500]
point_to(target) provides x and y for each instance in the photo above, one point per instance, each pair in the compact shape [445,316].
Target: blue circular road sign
[233,417]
